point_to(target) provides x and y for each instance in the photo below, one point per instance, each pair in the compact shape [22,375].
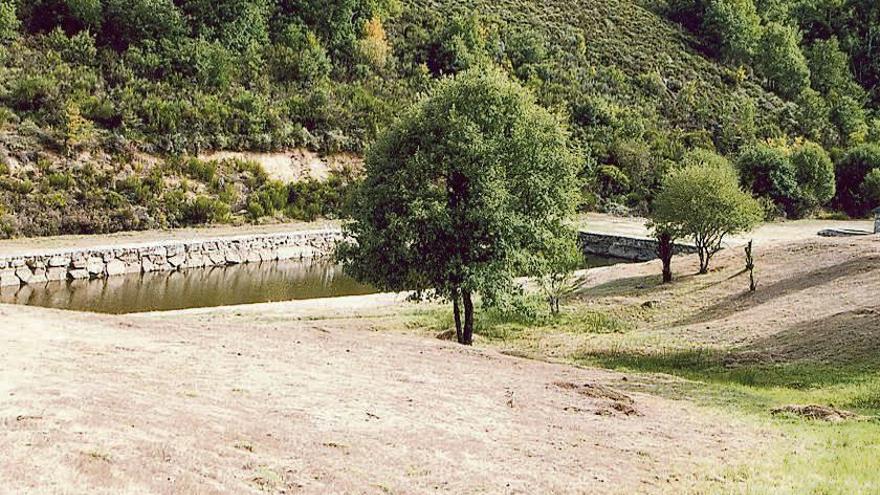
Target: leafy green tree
[461,43]
[829,68]
[849,118]
[705,202]
[814,172]
[460,191]
[733,26]
[851,171]
[235,23]
[871,187]
[553,266]
[9,23]
[781,62]
[128,22]
[768,172]
[298,56]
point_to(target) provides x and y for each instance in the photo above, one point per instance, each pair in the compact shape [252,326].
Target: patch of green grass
[757,386]
[809,457]
[522,316]
[814,458]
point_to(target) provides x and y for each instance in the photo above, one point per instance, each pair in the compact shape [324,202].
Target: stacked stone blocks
[93,263]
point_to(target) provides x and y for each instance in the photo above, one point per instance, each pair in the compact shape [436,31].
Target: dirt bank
[276,398]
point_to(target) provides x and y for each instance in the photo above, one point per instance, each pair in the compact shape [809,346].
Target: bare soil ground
[294,165]
[308,397]
[817,300]
[779,231]
[304,398]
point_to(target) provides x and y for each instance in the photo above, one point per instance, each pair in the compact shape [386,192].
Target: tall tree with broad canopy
[460,191]
[703,200]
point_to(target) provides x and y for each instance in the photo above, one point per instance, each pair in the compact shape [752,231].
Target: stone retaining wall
[627,248]
[100,262]
[110,261]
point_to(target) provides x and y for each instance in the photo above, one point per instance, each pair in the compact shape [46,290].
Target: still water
[200,288]
[196,288]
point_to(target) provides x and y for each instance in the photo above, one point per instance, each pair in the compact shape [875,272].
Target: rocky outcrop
[112,261]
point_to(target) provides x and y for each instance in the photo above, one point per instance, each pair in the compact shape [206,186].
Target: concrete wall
[164,256]
[627,248]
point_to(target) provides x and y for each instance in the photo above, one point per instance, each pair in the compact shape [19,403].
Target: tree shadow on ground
[837,350]
[847,338]
[745,300]
[625,286]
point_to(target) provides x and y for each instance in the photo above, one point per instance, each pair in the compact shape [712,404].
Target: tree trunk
[456,312]
[467,337]
[704,261]
[665,250]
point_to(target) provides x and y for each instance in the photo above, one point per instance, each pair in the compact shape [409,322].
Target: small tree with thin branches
[703,200]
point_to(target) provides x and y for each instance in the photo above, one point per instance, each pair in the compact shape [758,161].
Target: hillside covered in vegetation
[103,103]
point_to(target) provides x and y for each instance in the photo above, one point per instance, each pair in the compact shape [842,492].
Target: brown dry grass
[274,398]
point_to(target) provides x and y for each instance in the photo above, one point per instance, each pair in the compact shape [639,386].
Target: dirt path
[593,222]
[773,232]
[248,400]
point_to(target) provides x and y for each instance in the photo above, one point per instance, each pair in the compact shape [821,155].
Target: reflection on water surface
[200,287]
[195,288]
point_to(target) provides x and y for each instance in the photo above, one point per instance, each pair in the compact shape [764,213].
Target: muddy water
[199,288]
[196,288]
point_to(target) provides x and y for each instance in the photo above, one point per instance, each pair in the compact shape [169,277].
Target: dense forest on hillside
[101,101]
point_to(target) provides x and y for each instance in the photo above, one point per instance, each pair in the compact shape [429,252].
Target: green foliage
[553,266]
[458,192]
[871,187]
[851,171]
[186,76]
[829,68]
[798,180]
[205,209]
[298,56]
[814,172]
[782,63]
[9,23]
[703,201]
[734,27]
[137,21]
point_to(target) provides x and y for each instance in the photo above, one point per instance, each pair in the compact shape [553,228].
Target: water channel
[200,288]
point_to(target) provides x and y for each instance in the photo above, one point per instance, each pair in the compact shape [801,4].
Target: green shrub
[60,181]
[201,170]
[298,56]
[871,187]
[268,199]
[205,209]
[815,178]
[798,179]
[768,172]
[851,171]
[611,181]
[9,23]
